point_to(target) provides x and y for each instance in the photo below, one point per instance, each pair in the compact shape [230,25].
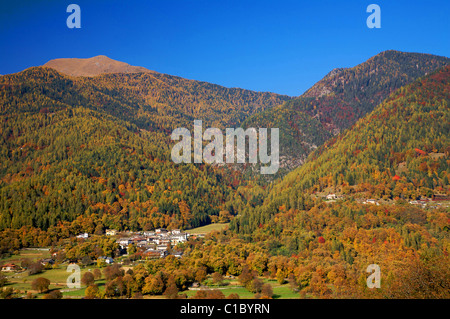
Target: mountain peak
[96,65]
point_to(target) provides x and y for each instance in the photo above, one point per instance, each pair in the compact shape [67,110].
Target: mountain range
[85,146]
[97,65]
[337,101]
[399,151]
[92,136]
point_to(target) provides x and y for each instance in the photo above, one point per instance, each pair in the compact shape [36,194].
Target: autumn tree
[3,279]
[87,279]
[267,291]
[255,285]
[217,278]
[97,273]
[113,271]
[246,276]
[209,294]
[54,294]
[171,291]
[154,285]
[115,288]
[40,284]
[92,292]
[200,274]
[35,268]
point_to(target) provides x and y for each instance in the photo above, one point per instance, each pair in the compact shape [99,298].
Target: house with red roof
[9,267]
[420,151]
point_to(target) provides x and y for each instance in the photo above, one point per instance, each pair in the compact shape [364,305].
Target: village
[157,243]
[154,243]
[439,200]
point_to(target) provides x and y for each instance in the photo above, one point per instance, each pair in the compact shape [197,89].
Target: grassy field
[58,276]
[241,291]
[207,229]
[32,254]
[232,286]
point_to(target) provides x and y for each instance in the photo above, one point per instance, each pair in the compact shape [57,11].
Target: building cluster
[153,243]
[371,201]
[334,196]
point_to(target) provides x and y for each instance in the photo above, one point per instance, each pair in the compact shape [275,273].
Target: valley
[363,179]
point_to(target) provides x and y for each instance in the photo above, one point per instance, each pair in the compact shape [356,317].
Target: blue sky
[277,46]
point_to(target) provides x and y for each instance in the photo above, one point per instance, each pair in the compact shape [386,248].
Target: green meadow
[57,274]
[280,291]
[207,229]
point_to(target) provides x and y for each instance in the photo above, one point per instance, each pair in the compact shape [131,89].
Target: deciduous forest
[90,154]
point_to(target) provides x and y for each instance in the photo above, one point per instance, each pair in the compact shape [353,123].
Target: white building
[107,260]
[148,233]
[111,232]
[179,238]
[371,201]
[124,242]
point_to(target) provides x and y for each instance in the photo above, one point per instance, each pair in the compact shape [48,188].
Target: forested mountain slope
[155,100]
[397,153]
[400,150]
[99,147]
[339,100]
[81,154]
[78,162]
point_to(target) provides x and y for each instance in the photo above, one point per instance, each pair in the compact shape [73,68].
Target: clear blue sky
[278,46]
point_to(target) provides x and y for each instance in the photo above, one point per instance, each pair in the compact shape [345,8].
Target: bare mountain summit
[93,66]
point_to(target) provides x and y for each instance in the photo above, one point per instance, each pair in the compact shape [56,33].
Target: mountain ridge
[153,101]
[100,64]
[409,128]
[339,99]
[73,146]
